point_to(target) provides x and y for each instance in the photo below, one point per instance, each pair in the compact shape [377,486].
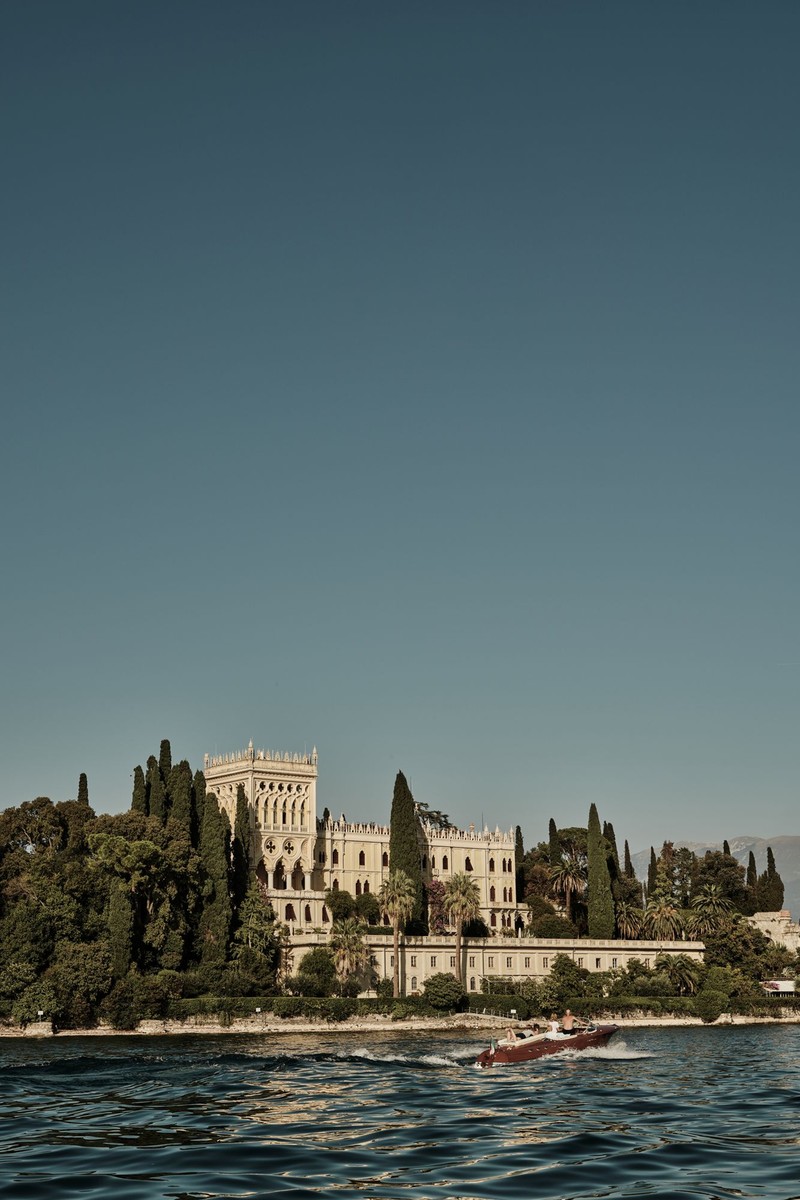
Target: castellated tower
[281,791]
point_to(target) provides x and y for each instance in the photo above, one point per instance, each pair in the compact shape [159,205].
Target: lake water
[660,1112]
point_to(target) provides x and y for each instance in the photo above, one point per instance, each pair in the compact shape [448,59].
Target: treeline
[576,884]
[102,912]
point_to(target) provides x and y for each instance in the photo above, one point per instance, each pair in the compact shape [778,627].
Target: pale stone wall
[779,928]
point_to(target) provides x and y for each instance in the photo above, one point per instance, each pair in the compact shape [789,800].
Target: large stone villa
[299,856]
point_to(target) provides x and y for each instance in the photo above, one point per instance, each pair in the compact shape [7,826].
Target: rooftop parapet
[250,755]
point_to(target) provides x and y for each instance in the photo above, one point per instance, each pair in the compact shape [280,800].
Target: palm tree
[662,920]
[462,902]
[350,954]
[682,972]
[629,920]
[710,906]
[397,898]
[566,878]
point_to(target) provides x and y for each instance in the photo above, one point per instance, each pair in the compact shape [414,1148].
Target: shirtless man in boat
[569,1024]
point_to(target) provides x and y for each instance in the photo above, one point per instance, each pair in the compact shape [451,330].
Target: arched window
[358,887]
[290,913]
[468,865]
[385,859]
[493,920]
[366,887]
[492,895]
[335,858]
[491,866]
[335,885]
[433,863]
[472,983]
[362,858]
[444,863]
[308,914]
[413,983]
[325,917]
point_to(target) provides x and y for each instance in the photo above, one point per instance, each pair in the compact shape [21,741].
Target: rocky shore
[265,1023]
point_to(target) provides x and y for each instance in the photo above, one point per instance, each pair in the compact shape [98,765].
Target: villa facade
[299,856]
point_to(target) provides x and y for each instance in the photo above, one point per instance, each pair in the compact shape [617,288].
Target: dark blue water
[660,1112]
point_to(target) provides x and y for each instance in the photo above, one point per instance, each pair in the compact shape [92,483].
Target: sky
[413,381]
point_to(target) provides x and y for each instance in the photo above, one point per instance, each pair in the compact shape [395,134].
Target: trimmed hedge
[501,1005]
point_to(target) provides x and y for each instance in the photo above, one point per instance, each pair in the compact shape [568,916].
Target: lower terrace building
[298,857]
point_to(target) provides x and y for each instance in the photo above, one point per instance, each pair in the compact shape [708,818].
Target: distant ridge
[785,847]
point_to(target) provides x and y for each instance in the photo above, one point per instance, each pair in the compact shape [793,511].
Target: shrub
[443,991]
[709,1005]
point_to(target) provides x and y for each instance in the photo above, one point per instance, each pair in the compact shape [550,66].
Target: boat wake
[615,1051]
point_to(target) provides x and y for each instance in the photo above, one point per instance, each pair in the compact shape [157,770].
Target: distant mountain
[787,859]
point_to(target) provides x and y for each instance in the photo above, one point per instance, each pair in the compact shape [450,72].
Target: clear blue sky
[418,381]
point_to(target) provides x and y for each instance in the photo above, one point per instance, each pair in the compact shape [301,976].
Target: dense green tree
[652,872]
[340,905]
[397,897]
[139,798]
[316,975]
[444,991]
[156,793]
[165,761]
[198,806]
[519,869]
[601,907]
[769,891]
[728,874]
[120,928]
[240,849]
[554,844]
[552,927]
[83,789]
[462,903]
[180,797]
[629,871]
[368,910]
[215,919]
[404,852]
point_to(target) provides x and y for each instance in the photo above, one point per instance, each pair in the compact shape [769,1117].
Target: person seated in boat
[571,1024]
[553,1030]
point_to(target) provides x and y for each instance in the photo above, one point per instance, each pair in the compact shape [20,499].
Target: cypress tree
[139,799]
[240,849]
[601,905]
[120,928]
[726,848]
[215,920]
[554,843]
[83,789]
[165,761]
[404,845]
[156,796]
[198,806]
[770,891]
[629,871]
[608,834]
[519,868]
[180,792]
[652,873]
[752,872]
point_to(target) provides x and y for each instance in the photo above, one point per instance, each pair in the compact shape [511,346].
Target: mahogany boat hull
[528,1049]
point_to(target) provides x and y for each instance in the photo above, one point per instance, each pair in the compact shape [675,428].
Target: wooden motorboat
[527,1046]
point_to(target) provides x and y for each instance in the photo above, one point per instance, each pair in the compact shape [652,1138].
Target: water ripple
[706,1114]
